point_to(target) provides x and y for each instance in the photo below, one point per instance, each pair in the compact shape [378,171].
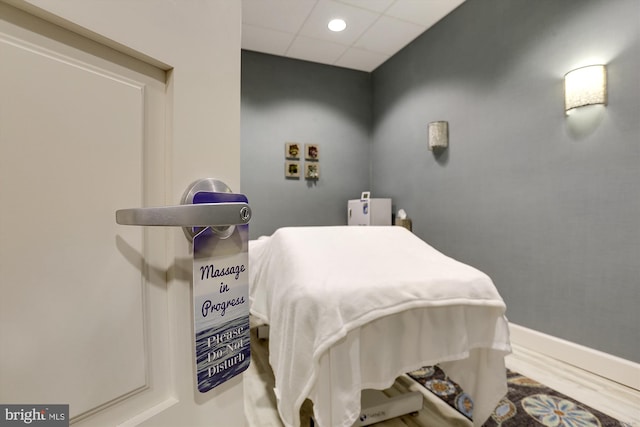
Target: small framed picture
[365,195]
[311,170]
[311,152]
[292,170]
[292,150]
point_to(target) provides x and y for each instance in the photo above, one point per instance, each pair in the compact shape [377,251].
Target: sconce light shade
[438,135]
[585,86]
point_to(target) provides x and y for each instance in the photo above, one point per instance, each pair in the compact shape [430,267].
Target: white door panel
[83,313]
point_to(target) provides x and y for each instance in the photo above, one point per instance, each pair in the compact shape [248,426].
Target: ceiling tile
[315,50]
[265,40]
[389,35]
[376,29]
[358,20]
[423,12]
[283,15]
[359,59]
[373,5]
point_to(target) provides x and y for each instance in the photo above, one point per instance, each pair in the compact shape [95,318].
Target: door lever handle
[221,217]
[201,215]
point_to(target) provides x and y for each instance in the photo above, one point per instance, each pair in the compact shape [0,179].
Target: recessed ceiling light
[337,25]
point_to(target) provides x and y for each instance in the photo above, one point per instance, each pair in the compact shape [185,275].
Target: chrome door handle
[221,217]
[202,215]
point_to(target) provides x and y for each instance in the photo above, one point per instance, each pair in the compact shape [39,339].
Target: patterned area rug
[527,404]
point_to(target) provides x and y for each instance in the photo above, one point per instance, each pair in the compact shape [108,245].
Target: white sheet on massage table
[355,307]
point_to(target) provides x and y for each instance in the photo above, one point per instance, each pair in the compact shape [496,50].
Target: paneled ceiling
[376,29]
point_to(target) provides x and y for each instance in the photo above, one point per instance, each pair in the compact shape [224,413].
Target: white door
[84,312]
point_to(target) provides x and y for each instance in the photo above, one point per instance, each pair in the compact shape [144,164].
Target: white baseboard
[597,362]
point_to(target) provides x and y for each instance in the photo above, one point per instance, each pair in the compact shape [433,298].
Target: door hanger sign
[220,298]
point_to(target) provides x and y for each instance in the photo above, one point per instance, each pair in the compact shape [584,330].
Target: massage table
[353,308]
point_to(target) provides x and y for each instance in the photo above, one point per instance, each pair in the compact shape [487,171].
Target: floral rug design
[527,403]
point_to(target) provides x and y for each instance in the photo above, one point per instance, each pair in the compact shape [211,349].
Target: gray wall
[286,100]
[547,205]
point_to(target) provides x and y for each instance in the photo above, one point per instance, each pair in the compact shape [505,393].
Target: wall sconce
[585,86]
[438,135]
